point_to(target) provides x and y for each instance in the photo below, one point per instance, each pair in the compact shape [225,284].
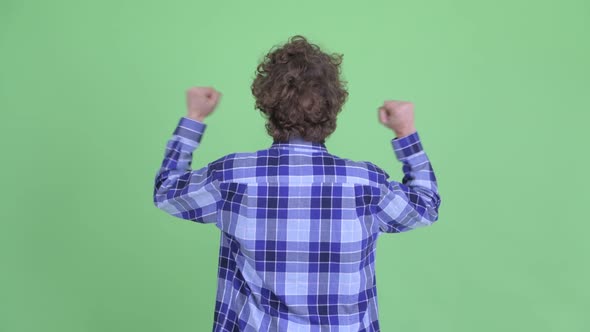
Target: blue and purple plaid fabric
[298,227]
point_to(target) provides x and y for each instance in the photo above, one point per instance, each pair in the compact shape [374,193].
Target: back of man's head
[299,90]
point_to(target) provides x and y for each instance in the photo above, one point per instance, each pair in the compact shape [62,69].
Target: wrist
[198,118]
[405,132]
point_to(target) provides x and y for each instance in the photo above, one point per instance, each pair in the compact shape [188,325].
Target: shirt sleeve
[415,201]
[179,190]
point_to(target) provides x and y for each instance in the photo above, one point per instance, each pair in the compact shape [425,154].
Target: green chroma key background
[90,91]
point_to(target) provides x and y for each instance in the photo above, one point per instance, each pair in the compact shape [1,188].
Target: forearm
[417,168]
[414,202]
[179,149]
[176,184]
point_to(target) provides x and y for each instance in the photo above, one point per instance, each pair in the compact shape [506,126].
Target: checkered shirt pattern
[298,226]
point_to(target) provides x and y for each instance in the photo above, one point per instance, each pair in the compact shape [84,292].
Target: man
[298,225]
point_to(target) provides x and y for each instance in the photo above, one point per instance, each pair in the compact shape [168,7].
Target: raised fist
[201,101]
[398,116]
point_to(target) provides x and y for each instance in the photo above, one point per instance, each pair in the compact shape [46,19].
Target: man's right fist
[398,116]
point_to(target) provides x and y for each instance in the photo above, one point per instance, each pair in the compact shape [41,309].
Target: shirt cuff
[407,145]
[190,129]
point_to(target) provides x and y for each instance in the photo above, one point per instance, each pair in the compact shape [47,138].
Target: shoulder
[229,160]
[237,165]
[363,169]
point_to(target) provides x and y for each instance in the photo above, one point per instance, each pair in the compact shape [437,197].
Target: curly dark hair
[299,90]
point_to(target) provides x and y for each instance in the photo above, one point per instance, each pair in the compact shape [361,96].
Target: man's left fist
[201,101]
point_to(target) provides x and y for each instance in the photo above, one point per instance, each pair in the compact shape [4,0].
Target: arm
[414,202]
[179,190]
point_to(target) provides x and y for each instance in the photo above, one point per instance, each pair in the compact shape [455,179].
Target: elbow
[158,197]
[155,196]
[430,213]
[425,220]
[424,217]
[161,187]
[431,218]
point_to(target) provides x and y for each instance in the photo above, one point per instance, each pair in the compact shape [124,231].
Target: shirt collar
[300,145]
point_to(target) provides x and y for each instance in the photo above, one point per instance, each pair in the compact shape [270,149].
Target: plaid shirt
[298,225]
